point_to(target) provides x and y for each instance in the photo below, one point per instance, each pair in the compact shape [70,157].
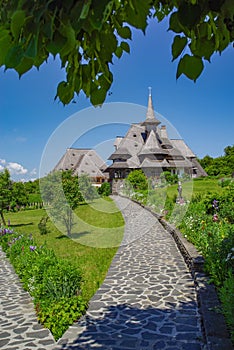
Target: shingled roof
[82,161]
[147,145]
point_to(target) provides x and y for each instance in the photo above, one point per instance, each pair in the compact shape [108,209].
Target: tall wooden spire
[150,115]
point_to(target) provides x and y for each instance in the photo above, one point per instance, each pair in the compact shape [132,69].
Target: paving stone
[147,301]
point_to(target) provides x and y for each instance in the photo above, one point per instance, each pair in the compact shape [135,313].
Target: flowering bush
[4,231]
[208,224]
[52,282]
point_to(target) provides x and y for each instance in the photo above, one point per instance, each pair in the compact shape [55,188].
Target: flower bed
[53,283]
[206,222]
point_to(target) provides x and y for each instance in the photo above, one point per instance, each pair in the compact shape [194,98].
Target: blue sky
[201,112]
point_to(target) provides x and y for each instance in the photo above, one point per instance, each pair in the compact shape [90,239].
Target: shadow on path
[124,327]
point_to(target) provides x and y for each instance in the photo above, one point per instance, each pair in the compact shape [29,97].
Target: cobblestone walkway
[147,301]
[19,328]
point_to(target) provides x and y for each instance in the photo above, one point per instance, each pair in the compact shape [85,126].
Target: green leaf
[105,81]
[189,15]
[85,76]
[119,51]
[68,32]
[204,30]
[125,46]
[108,46]
[14,57]
[5,44]
[174,23]
[98,96]
[100,13]
[108,10]
[17,22]
[137,13]
[55,45]
[24,66]
[178,45]
[191,66]
[125,32]
[85,9]
[31,51]
[65,92]
[203,47]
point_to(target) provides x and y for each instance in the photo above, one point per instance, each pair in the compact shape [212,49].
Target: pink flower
[215,217]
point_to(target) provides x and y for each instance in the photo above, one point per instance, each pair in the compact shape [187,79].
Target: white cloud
[16,169]
[2,161]
[33,172]
[1,168]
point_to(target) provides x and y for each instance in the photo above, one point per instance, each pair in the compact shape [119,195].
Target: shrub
[138,180]
[61,314]
[105,189]
[42,225]
[208,224]
[226,296]
[169,178]
[54,283]
[224,182]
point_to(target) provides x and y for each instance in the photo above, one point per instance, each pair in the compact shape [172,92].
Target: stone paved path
[19,328]
[147,301]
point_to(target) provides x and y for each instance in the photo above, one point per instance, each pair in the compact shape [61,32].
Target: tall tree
[87,34]
[19,195]
[5,192]
[220,166]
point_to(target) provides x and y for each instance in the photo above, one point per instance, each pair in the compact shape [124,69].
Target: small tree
[138,180]
[105,189]
[5,192]
[87,190]
[19,195]
[61,191]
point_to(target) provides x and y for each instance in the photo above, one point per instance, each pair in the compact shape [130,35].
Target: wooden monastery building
[147,146]
[84,161]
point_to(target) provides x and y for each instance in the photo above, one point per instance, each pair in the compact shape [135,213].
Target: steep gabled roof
[183,148]
[82,161]
[121,152]
[87,166]
[152,145]
[133,162]
[133,141]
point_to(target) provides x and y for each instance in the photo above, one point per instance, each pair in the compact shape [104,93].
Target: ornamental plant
[208,224]
[53,283]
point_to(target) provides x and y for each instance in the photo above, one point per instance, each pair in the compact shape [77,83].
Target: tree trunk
[3,219]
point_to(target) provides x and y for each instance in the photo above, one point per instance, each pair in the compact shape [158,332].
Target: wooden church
[147,146]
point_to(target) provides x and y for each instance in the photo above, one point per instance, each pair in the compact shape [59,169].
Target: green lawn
[97,235]
[197,186]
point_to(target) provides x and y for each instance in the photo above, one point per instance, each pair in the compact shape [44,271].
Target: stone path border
[213,322]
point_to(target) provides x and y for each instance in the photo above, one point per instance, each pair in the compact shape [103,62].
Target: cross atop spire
[150,115]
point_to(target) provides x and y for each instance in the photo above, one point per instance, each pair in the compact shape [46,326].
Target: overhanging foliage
[87,34]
